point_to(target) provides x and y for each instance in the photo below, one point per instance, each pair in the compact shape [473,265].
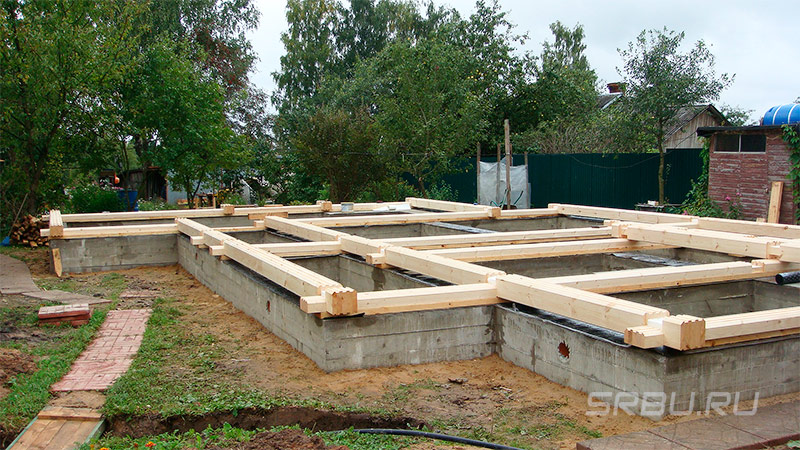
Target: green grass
[173,374]
[109,286]
[30,392]
[229,436]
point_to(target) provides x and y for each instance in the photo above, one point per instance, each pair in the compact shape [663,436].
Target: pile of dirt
[284,440]
[12,363]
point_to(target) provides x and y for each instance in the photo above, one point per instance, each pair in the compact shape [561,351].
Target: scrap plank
[528,213]
[395,219]
[78,414]
[442,205]
[774,211]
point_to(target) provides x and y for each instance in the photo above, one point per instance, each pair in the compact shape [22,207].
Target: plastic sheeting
[493,188]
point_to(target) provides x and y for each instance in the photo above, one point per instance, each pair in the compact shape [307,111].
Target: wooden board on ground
[57,433]
[774,211]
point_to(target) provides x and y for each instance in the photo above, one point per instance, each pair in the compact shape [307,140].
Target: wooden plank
[619,214]
[55,262]
[441,205]
[644,336]
[512,237]
[544,250]
[715,241]
[752,337]
[291,276]
[187,213]
[751,323]
[360,246]
[776,193]
[395,219]
[39,435]
[528,213]
[56,227]
[337,207]
[416,299]
[297,227]
[790,251]
[666,277]
[456,272]
[114,231]
[750,228]
[290,249]
[603,311]
[80,414]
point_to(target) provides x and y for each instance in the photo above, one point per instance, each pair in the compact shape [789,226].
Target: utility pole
[508,163]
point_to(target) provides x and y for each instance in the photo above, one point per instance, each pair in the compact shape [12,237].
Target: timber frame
[771,248]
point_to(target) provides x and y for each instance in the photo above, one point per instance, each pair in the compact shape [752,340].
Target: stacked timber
[26,231]
[76,315]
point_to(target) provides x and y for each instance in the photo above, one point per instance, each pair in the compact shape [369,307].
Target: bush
[90,198]
[156,204]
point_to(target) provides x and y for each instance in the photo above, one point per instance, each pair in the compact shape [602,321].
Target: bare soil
[486,394]
[12,363]
[284,440]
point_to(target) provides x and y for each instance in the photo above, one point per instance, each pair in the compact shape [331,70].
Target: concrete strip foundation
[571,353]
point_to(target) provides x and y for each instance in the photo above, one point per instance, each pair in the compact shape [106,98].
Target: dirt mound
[284,440]
[12,363]
[252,418]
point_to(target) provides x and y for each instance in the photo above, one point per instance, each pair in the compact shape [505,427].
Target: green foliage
[791,135]
[30,392]
[91,198]
[156,204]
[338,146]
[735,116]
[659,80]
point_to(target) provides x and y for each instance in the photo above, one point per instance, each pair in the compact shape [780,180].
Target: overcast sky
[758,42]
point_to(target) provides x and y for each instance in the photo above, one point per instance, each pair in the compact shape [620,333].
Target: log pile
[26,231]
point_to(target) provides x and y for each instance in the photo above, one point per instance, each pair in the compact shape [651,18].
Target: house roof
[604,100]
[687,113]
[708,131]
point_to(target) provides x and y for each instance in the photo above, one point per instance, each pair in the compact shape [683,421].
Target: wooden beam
[360,246]
[395,219]
[512,237]
[683,332]
[416,299]
[340,301]
[776,193]
[544,250]
[441,205]
[303,230]
[666,277]
[644,336]
[190,227]
[619,214]
[290,249]
[228,209]
[56,226]
[456,272]
[528,213]
[114,231]
[285,273]
[603,311]
[752,323]
[750,228]
[715,241]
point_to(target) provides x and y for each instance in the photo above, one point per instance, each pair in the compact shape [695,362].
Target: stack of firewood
[26,231]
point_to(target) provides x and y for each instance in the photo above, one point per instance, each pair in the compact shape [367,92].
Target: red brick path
[109,355]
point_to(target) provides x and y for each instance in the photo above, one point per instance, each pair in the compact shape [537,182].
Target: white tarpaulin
[493,188]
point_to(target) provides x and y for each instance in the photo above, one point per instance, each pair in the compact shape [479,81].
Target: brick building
[743,163]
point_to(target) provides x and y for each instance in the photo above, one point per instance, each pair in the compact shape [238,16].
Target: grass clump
[29,393]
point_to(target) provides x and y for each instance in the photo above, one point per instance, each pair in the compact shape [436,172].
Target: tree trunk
[422,190]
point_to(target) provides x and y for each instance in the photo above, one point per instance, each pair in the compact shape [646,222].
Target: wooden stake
[55,261]
[509,161]
[478,172]
[774,214]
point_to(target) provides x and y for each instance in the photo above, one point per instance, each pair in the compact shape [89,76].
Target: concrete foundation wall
[566,265]
[359,275]
[116,253]
[347,343]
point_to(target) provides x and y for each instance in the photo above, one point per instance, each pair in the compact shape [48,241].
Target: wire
[441,437]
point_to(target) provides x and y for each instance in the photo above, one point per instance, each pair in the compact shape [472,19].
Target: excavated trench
[253,418]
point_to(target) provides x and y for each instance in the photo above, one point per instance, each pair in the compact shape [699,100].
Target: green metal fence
[595,179]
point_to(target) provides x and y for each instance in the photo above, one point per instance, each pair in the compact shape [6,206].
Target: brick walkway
[109,355]
[771,425]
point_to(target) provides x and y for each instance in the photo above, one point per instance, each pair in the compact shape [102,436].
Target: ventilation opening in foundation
[563,351]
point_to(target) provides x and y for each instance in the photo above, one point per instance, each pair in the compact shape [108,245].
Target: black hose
[787,278]
[441,437]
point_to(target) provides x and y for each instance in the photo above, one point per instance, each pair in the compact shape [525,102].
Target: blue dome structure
[782,115]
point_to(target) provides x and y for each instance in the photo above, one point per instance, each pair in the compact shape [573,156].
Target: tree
[57,62]
[659,80]
[338,147]
[735,116]
[425,107]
